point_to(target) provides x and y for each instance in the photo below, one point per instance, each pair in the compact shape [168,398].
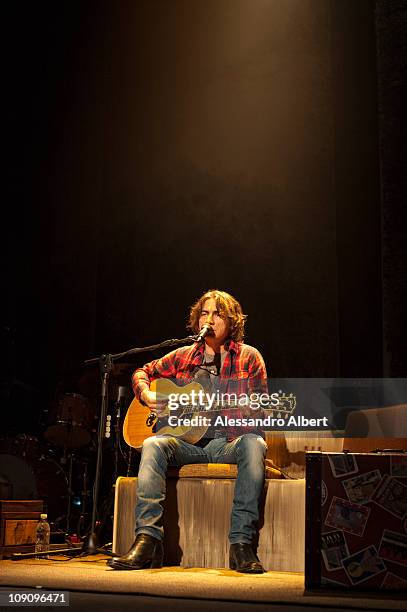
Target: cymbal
[89,383]
[122,368]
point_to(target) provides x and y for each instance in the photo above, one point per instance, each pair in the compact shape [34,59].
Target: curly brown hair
[228,307]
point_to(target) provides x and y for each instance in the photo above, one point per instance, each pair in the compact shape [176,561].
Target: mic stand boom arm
[143,349]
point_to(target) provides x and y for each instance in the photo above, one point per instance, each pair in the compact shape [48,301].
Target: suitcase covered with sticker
[356,521]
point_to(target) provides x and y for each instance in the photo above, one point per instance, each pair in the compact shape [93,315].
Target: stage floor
[91,576]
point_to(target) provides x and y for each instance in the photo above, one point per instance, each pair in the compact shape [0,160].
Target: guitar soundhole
[150,419]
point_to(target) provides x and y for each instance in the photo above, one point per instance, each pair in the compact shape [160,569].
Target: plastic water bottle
[42,536]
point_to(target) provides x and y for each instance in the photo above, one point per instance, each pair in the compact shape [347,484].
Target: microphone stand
[106,361]
[117,437]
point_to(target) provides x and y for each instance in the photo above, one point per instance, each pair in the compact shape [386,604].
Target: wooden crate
[18,522]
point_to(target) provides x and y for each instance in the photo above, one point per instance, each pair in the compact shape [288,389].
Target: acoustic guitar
[140,423]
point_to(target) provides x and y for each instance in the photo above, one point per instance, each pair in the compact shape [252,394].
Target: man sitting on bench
[221,362]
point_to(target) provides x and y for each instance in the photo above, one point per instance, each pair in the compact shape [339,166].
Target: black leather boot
[146,552]
[242,559]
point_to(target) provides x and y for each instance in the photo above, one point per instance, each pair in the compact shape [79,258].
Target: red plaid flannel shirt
[243,371]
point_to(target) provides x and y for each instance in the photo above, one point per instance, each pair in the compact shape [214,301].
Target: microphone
[120,400]
[204,331]
[121,394]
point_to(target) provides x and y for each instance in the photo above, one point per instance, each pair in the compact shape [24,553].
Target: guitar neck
[209,409]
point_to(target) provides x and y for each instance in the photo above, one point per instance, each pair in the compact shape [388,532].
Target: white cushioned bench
[197,517]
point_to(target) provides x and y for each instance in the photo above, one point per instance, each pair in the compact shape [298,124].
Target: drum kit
[57,467]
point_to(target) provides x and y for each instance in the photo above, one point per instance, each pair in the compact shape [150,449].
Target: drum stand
[90,545]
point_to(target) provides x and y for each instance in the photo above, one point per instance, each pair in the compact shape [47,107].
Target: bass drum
[28,477]
[70,421]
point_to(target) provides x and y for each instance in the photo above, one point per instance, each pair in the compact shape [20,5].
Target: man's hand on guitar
[157,402]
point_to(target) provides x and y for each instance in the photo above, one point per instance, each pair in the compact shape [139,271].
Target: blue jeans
[160,452]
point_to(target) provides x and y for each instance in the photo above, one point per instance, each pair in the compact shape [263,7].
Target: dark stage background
[157,149]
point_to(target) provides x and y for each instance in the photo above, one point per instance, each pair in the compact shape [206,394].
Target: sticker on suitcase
[324,493]
[398,466]
[346,515]
[342,464]
[391,581]
[333,548]
[363,565]
[391,494]
[393,547]
[359,488]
